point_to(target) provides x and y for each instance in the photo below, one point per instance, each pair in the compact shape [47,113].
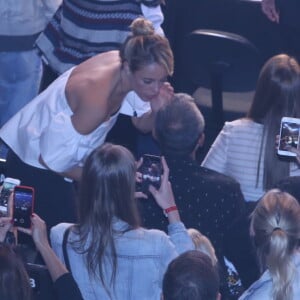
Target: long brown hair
[277,95]
[106,194]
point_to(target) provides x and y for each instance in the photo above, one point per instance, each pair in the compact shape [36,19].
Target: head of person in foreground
[191,276]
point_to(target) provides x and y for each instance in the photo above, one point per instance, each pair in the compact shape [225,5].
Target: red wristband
[169,209]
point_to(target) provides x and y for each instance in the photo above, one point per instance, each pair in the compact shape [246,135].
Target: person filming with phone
[245,148]
[51,137]
[109,254]
[14,277]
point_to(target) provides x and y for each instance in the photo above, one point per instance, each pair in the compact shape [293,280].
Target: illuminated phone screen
[7,189]
[23,207]
[151,171]
[289,136]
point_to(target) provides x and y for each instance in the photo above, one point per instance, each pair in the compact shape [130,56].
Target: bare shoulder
[88,90]
[96,74]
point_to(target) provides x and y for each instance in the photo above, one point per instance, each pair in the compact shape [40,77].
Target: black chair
[220,61]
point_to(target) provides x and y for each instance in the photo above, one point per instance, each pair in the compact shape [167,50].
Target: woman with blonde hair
[275,228]
[51,137]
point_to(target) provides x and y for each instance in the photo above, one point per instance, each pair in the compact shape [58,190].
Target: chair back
[221,61]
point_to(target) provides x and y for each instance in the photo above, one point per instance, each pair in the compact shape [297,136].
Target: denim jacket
[142,258]
[262,288]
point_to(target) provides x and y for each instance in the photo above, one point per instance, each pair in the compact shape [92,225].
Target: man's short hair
[179,125]
[191,276]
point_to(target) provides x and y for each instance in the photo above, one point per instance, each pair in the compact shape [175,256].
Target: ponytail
[275,227]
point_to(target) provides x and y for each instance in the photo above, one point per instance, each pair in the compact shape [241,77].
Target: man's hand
[269,9]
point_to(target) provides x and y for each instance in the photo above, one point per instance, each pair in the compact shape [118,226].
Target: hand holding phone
[23,206]
[289,136]
[151,171]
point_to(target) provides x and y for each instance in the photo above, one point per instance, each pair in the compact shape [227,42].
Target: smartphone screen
[151,170]
[289,135]
[23,206]
[7,189]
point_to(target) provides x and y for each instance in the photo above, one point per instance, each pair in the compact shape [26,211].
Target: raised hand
[164,196]
[269,9]
[38,231]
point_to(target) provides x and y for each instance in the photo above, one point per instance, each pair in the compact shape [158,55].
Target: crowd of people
[227,227]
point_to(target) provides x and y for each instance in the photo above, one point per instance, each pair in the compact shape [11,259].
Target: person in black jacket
[207,200]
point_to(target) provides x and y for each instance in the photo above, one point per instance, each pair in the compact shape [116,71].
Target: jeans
[20,76]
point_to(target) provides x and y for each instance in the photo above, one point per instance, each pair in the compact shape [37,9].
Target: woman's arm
[164,196]
[63,280]
[38,232]
[165,199]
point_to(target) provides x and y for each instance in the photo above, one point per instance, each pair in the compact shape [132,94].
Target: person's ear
[218,296]
[201,140]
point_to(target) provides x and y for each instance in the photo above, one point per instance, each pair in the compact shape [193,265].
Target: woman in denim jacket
[110,255]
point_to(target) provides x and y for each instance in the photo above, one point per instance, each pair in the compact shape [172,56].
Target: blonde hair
[275,227]
[144,47]
[203,244]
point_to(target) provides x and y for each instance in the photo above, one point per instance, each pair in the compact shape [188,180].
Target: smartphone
[151,170]
[7,189]
[289,135]
[23,206]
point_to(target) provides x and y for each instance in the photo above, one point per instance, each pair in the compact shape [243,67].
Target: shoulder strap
[64,248]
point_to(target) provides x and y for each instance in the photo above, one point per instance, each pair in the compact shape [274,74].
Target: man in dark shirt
[206,200]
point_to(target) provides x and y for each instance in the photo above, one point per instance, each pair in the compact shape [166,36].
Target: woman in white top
[275,227]
[245,148]
[58,129]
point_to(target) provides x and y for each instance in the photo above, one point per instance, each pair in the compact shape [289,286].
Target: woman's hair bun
[142,26]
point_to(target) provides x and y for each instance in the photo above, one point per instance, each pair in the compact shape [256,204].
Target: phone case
[23,206]
[289,135]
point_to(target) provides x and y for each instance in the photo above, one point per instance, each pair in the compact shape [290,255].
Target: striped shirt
[81,29]
[235,153]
